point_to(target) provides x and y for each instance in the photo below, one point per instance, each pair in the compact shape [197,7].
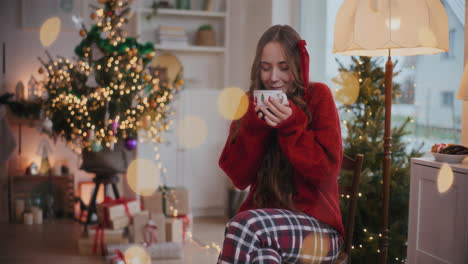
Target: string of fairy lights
[371,236]
[108,94]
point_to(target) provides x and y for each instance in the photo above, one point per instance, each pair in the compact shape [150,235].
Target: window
[427,82]
[447,99]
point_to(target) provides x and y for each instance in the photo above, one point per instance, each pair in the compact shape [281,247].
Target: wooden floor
[56,243]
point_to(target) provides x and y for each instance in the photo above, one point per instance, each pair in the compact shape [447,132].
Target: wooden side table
[61,187]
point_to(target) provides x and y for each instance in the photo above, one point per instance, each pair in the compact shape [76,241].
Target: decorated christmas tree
[108,92]
[363,96]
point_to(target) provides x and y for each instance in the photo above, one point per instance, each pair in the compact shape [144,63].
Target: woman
[290,156]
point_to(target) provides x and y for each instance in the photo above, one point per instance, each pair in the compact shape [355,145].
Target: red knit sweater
[315,153]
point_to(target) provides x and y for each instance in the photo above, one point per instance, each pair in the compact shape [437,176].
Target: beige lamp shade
[407,27]
[463,90]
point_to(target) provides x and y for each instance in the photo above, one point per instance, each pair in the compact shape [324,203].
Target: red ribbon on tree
[304,66]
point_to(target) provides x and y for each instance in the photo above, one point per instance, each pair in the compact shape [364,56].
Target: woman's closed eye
[284,69]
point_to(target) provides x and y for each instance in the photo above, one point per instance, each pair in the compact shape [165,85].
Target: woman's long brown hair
[275,177]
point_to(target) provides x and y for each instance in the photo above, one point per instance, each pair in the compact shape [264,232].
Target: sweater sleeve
[241,157]
[315,152]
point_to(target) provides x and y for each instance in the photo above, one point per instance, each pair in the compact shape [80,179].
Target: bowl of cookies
[450,153]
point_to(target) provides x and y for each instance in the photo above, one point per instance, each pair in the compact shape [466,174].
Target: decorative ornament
[20,91]
[93,16]
[96,146]
[91,81]
[82,32]
[106,115]
[41,70]
[150,55]
[153,104]
[43,150]
[47,125]
[147,121]
[34,89]
[147,77]
[96,52]
[33,169]
[130,143]
[115,125]
[90,134]
[108,13]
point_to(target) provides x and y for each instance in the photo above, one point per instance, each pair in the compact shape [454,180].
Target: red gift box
[113,209]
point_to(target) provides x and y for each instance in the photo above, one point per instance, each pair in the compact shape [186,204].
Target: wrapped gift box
[112,210]
[140,233]
[176,201]
[160,221]
[174,229]
[137,228]
[164,250]
[119,223]
[188,228]
[154,203]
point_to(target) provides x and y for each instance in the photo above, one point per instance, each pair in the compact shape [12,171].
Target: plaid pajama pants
[278,236]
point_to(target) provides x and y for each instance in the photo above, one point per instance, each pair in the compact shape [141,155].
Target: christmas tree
[108,93]
[363,123]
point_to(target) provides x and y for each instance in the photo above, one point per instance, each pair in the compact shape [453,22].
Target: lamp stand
[384,242]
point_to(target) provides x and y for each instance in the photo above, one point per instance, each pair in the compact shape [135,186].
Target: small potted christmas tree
[103,98]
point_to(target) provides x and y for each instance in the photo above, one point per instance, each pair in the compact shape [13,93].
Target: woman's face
[274,70]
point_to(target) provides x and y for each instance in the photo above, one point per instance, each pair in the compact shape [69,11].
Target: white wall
[249,19]
[284,12]
[313,14]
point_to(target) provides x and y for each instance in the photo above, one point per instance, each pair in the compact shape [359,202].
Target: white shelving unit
[185,13]
[190,48]
[205,74]
[214,57]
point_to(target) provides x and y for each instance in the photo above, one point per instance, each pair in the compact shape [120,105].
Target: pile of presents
[159,223]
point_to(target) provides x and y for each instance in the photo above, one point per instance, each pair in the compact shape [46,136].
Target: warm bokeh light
[315,247]
[169,62]
[394,23]
[233,103]
[143,177]
[445,178]
[137,255]
[346,86]
[192,131]
[49,31]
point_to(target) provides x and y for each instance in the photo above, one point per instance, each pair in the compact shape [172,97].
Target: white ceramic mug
[260,96]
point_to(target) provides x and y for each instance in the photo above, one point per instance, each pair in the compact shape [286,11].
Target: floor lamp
[384,28]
